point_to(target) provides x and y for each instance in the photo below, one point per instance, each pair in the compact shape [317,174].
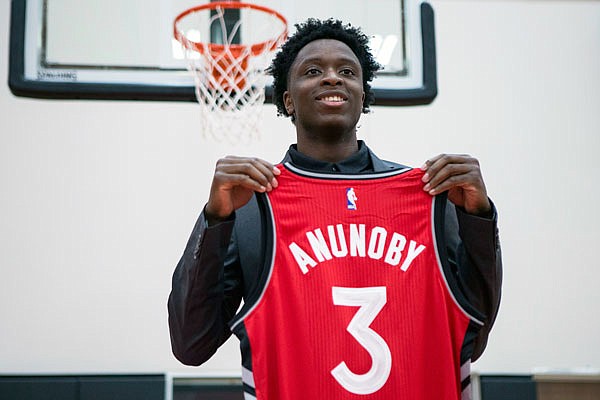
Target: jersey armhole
[450,278]
[268,234]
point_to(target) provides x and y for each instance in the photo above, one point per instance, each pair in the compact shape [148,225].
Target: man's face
[325,88]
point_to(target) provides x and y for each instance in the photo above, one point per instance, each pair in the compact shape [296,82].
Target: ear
[288,103]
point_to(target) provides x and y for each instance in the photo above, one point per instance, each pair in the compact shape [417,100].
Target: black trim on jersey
[466,382]
[242,335]
[450,275]
[251,301]
[336,175]
[237,323]
[468,346]
[249,389]
[268,234]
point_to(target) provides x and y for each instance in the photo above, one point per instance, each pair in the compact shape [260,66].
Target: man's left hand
[460,175]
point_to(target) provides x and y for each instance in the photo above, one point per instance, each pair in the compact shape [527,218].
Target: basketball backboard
[124,50]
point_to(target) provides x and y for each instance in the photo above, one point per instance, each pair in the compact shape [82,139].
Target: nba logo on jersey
[351,199]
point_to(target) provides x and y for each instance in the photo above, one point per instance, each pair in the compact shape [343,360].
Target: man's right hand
[234,182]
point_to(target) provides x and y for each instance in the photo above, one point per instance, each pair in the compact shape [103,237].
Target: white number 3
[370,300]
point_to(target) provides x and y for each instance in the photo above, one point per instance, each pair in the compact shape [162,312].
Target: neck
[329,151]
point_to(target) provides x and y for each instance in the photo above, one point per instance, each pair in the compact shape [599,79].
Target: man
[426,297]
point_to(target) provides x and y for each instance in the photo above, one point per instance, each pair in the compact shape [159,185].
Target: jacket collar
[363,161]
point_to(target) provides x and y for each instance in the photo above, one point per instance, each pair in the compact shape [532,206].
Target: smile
[332,99]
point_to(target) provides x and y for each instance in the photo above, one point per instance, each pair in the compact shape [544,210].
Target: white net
[228,46]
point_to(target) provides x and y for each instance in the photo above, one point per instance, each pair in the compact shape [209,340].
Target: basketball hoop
[228,45]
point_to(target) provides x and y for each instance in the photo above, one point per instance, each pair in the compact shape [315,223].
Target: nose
[331,77]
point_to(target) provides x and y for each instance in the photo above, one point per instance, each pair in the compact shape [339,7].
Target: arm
[206,292]
[207,283]
[471,229]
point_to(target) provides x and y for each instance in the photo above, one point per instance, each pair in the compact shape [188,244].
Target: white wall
[98,198]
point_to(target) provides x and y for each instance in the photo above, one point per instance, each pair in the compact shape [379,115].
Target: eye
[347,71]
[313,71]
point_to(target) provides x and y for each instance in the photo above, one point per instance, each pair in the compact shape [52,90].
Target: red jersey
[356,300]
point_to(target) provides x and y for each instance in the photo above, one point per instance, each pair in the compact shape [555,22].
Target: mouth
[332,98]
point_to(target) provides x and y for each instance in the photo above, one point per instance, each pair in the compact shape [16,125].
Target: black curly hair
[314,29]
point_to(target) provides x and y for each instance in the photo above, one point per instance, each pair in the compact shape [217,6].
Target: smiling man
[361,278]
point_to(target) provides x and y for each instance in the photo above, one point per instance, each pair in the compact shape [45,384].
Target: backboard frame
[23,86]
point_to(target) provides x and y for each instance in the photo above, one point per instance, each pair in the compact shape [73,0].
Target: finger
[434,165]
[429,162]
[440,158]
[460,173]
[247,182]
[244,175]
[266,168]
[238,159]
[256,169]
[445,185]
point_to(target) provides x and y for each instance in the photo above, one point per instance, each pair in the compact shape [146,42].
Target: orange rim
[235,49]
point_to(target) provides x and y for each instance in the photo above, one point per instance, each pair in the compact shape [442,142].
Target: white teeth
[333,98]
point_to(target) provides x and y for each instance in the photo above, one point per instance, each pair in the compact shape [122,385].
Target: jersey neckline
[340,175]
